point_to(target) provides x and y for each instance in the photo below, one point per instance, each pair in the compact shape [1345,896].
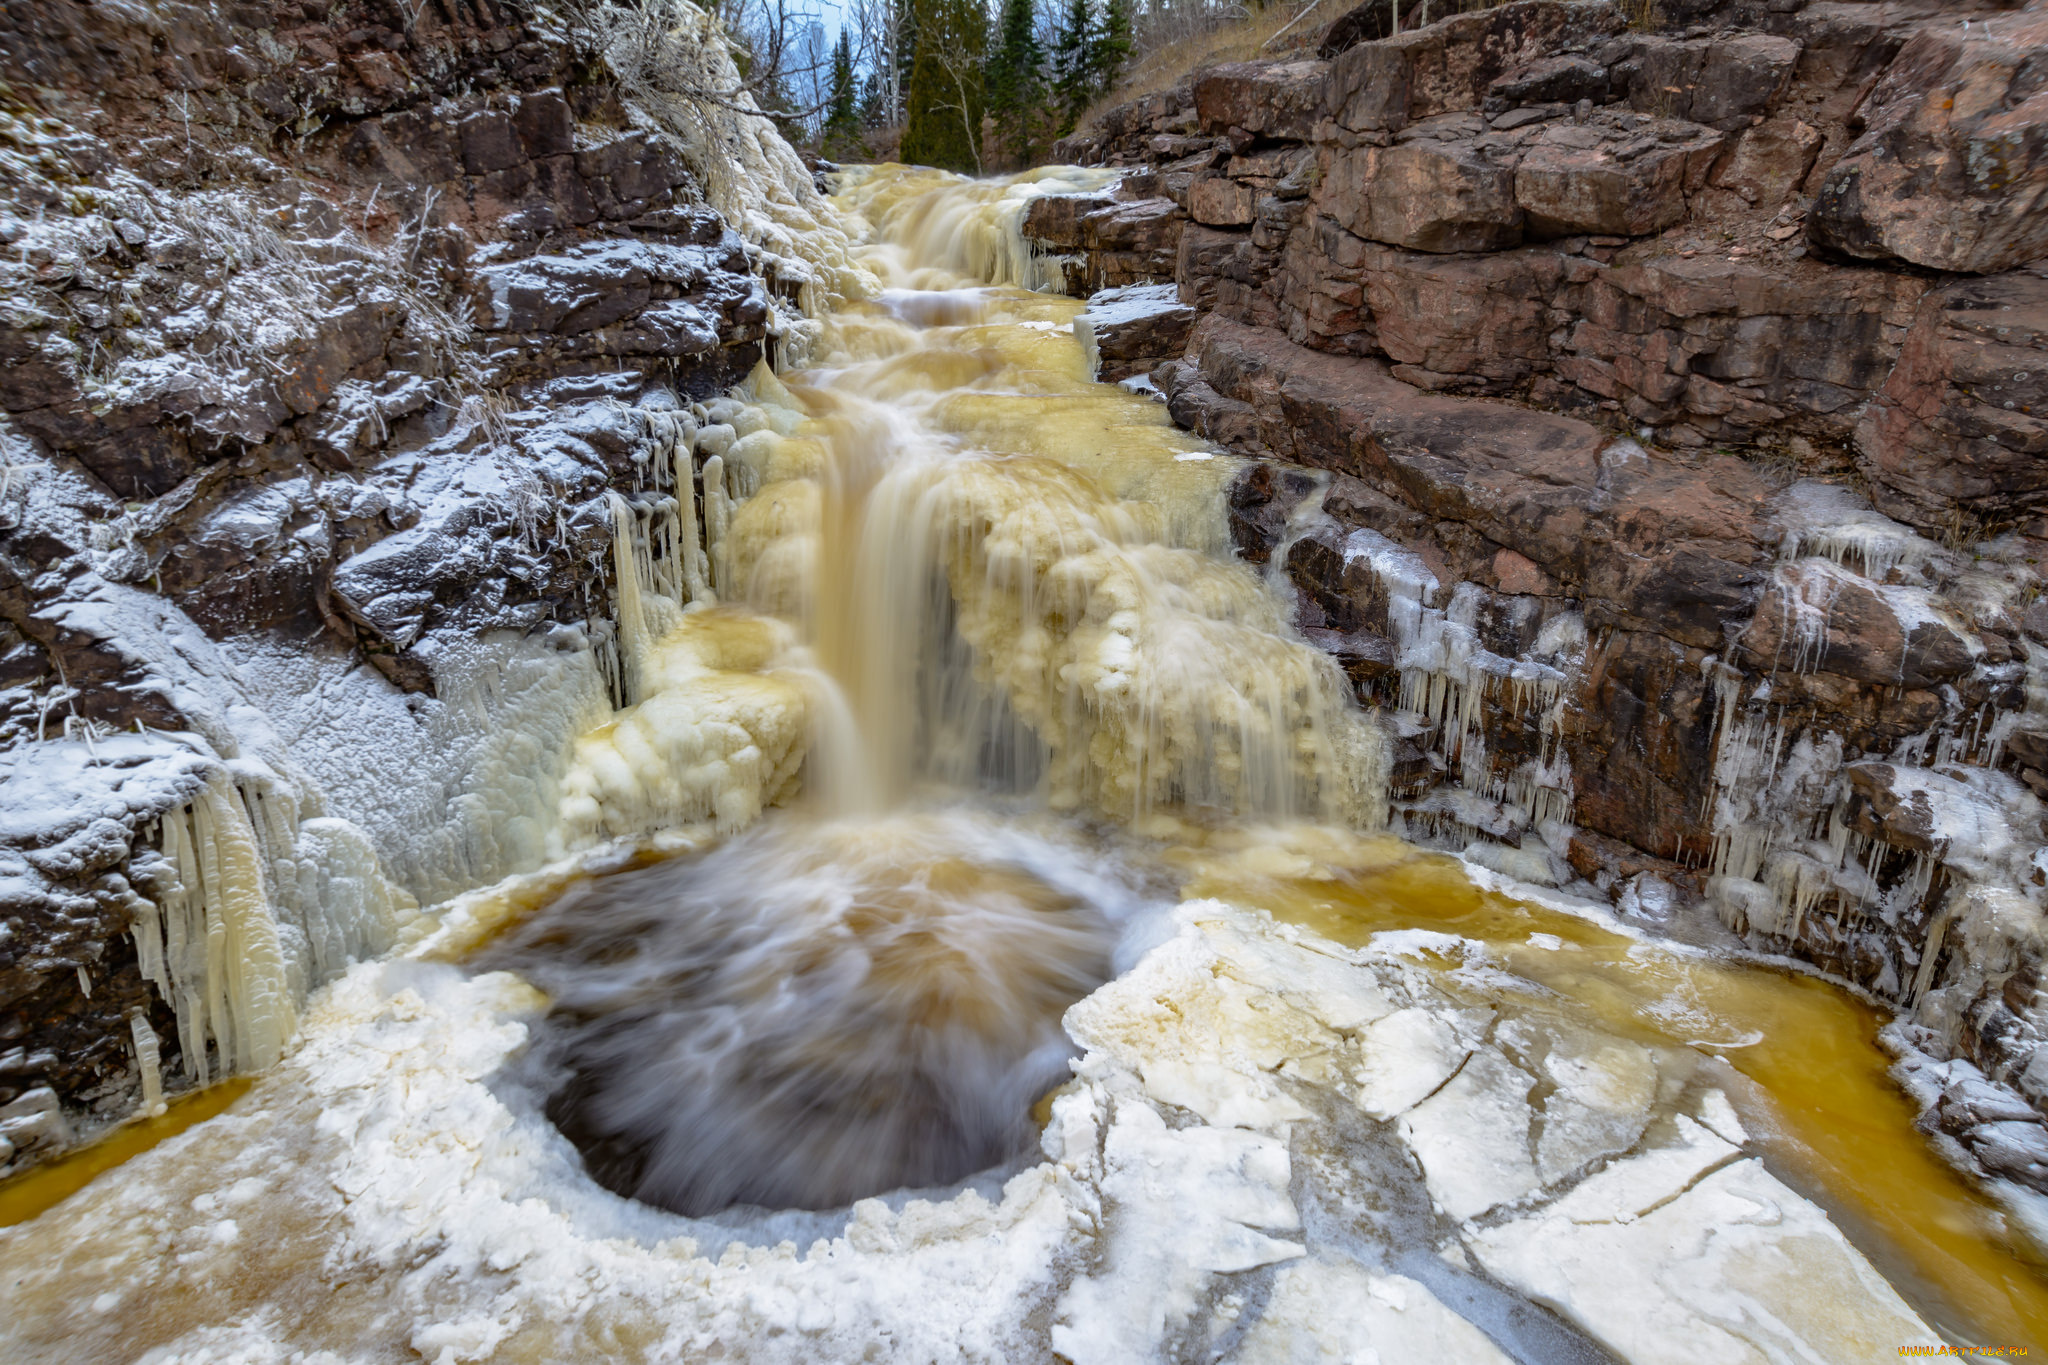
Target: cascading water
[960,571]
[973,936]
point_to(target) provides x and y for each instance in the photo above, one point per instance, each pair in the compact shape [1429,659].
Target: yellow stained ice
[718,732]
[1831,1121]
[27,1195]
[935,554]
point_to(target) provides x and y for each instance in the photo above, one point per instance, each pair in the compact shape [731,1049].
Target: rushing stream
[962,720]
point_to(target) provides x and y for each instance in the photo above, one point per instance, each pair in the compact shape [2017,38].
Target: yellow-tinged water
[27,1195]
[1827,1114]
[1088,611]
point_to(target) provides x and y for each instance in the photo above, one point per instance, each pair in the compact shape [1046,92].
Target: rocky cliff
[1648,415]
[341,342]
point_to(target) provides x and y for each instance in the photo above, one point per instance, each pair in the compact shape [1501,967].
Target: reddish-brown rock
[1427,193]
[1604,177]
[1448,66]
[1951,171]
[1270,99]
[1819,617]
[1654,543]
[1962,420]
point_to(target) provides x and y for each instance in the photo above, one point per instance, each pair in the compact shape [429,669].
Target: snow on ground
[1274,1148]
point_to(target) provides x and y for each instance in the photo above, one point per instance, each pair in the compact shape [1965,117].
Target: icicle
[717,520]
[689,535]
[148,1063]
[1930,956]
[249,1006]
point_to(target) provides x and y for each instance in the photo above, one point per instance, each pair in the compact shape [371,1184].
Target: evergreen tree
[943,102]
[1016,84]
[1113,45]
[1073,64]
[841,136]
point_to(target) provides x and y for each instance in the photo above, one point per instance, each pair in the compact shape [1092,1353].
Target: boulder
[1450,66]
[1961,423]
[1427,193]
[1724,82]
[1135,327]
[1282,100]
[1055,219]
[1817,616]
[1951,171]
[1612,175]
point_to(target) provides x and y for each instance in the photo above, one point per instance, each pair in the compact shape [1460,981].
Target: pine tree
[1016,83]
[841,138]
[942,118]
[1113,44]
[1073,64]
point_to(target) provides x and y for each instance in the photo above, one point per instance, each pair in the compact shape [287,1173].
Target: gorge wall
[1642,413]
[1646,409]
[342,343]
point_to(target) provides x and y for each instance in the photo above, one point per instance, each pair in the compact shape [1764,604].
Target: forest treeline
[970,89]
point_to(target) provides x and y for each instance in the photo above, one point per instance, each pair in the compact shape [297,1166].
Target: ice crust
[392,1187]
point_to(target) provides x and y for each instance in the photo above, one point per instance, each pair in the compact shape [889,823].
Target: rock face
[1565,347]
[1108,240]
[1962,419]
[328,382]
[1951,171]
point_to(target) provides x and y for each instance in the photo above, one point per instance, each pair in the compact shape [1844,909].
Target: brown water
[29,1194]
[954,564]
[1830,1119]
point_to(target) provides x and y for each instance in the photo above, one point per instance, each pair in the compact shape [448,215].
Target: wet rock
[1261,499]
[1055,219]
[1196,406]
[1110,241]
[1136,327]
[1950,171]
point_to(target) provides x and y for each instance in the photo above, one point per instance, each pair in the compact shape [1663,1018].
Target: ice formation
[932,221]
[1192,1198]
[930,554]
[1786,798]
[1449,684]
[677,70]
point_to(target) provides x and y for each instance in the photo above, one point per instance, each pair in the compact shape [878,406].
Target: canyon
[1344,721]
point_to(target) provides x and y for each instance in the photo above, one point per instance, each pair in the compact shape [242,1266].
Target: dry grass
[1177,40]
[1213,36]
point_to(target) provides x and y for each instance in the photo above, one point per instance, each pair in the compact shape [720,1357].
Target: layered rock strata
[341,343]
[1649,422]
